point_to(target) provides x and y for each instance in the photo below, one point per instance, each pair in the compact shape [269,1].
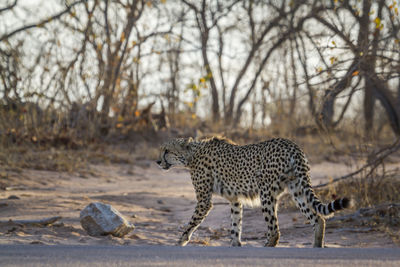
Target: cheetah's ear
[188,141]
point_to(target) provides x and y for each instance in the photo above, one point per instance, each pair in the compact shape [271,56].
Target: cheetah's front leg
[200,213]
[269,209]
[236,230]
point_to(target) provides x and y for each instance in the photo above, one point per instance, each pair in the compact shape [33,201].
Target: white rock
[102,219]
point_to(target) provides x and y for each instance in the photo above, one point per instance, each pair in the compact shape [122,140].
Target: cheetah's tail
[329,208]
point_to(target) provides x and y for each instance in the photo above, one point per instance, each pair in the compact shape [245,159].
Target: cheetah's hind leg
[316,220]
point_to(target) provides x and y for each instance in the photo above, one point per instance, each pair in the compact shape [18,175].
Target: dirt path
[158,203]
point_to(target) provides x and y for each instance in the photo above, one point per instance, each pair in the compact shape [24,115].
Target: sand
[158,203]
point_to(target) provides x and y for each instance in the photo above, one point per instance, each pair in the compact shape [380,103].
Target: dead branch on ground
[39,222]
[378,159]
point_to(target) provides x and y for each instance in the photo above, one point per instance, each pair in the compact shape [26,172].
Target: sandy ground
[158,203]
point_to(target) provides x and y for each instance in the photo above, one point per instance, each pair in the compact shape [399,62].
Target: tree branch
[9,7]
[42,22]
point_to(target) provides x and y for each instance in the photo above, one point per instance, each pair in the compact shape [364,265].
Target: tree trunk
[214,91]
[388,101]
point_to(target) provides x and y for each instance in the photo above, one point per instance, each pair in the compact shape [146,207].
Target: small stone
[13,197]
[37,242]
[102,219]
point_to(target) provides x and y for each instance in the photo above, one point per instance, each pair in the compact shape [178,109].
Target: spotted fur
[256,173]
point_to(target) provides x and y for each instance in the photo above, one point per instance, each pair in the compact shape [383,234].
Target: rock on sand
[102,219]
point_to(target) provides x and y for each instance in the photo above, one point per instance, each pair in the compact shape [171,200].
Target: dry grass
[52,159]
[61,160]
[376,202]
[366,192]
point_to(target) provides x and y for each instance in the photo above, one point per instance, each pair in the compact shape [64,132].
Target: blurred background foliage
[78,71]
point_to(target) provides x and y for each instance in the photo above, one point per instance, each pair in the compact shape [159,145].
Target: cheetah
[255,173]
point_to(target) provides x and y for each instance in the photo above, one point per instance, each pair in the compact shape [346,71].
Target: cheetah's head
[175,152]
